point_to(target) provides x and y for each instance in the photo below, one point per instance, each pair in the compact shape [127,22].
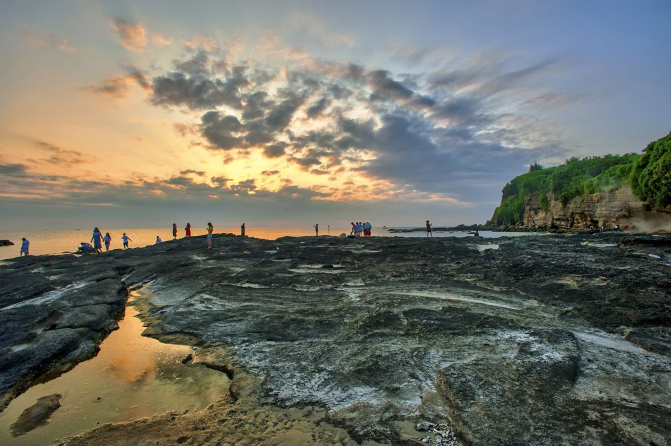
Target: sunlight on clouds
[204,118]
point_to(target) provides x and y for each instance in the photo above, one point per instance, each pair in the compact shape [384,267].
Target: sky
[123,114]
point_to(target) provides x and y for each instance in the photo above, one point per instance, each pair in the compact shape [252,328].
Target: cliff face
[619,207]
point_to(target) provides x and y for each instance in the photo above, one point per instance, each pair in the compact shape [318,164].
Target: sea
[47,241]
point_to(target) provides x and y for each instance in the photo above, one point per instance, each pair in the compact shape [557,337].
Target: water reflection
[132,377]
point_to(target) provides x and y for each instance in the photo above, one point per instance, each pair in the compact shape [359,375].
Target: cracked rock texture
[533,340]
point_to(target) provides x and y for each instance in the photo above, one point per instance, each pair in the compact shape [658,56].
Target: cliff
[609,208]
[632,189]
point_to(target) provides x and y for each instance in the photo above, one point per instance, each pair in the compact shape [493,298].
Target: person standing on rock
[242,230]
[367,229]
[316,225]
[428,229]
[107,239]
[97,240]
[125,239]
[25,247]
[188,230]
[210,230]
[174,231]
[158,240]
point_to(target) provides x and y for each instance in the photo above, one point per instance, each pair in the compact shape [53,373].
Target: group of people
[97,240]
[603,228]
[361,229]
[187,230]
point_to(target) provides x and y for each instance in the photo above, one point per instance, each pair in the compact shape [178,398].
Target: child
[158,239]
[25,247]
[125,239]
[107,239]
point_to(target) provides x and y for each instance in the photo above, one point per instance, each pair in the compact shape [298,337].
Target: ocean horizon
[65,241]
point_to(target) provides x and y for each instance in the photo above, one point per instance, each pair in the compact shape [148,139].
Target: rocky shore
[525,340]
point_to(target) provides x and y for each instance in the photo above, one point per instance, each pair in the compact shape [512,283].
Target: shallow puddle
[131,377]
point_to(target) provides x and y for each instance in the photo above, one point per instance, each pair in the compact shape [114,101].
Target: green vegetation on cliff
[648,174]
[651,175]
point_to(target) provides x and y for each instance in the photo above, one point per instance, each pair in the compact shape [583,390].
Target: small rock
[187,358]
[99,398]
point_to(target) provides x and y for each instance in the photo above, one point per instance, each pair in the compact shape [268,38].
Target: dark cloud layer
[431,133]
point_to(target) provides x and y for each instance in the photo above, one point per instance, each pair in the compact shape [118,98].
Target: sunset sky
[287,113]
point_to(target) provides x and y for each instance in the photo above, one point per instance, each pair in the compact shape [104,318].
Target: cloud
[196,92]
[219,130]
[307,162]
[275,150]
[118,86]
[136,37]
[456,135]
[160,40]
[280,116]
[13,170]
[131,35]
[41,39]
[385,87]
[200,173]
[62,157]
[318,107]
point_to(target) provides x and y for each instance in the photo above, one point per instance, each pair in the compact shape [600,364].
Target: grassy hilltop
[648,174]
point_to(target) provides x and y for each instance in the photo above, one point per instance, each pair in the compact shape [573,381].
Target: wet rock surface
[541,341]
[36,415]
[54,311]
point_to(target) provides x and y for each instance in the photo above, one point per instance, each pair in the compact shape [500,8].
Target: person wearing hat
[125,239]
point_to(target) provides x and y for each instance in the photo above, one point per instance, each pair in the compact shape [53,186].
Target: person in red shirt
[188,229]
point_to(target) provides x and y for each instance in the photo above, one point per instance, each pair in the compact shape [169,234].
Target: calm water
[134,376]
[61,241]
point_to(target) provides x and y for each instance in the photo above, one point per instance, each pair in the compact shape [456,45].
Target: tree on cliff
[651,176]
